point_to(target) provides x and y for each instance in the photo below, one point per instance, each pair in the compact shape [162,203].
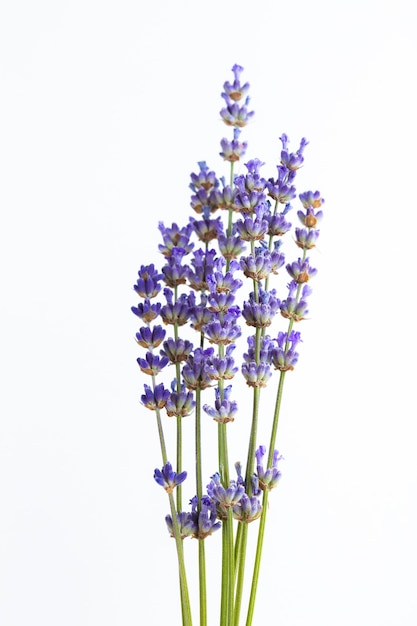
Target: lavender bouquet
[190,330]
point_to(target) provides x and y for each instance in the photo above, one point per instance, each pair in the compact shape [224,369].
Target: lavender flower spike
[167,478]
[224,497]
[268,479]
[186,524]
[284,357]
[247,509]
[155,399]
[300,271]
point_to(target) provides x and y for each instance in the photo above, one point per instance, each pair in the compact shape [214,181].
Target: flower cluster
[193,314]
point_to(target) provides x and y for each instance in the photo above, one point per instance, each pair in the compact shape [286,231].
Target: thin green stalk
[199,484]
[228,574]
[160,429]
[185,598]
[258,555]
[240,569]
[276,419]
[250,463]
[237,546]
[224,601]
[202,579]
[230,567]
[261,530]
[240,556]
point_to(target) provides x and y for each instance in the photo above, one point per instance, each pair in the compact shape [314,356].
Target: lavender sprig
[216,257]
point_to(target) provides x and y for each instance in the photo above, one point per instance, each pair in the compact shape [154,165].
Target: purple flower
[175,237]
[150,337]
[260,314]
[224,198]
[231,247]
[194,371]
[285,357]
[206,229]
[235,91]
[203,264]
[266,348]
[186,524]
[201,201]
[277,225]
[248,201]
[247,509]
[281,189]
[300,270]
[176,350]
[224,497]
[253,181]
[147,311]
[222,368]
[259,265]
[292,308]
[293,160]
[235,115]
[253,228]
[220,302]
[205,178]
[256,375]
[199,313]
[224,410]
[147,285]
[176,312]
[155,398]
[205,520]
[310,217]
[311,199]
[306,239]
[233,150]
[224,283]
[175,274]
[224,331]
[180,404]
[168,479]
[152,364]
[268,479]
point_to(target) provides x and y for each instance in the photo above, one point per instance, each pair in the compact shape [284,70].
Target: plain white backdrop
[106,107]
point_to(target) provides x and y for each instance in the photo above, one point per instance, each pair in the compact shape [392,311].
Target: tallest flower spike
[235,91]
[235,114]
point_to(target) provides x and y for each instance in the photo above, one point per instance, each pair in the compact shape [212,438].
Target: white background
[105,109]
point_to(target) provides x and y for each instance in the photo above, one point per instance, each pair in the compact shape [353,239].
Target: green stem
[199,483]
[237,546]
[228,574]
[250,463]
[230,566]
[185,598]
[276,419]
[261,530]
[241,558]
[202,582]
[224,601]
[179,460]
[160,429]
[255,577]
